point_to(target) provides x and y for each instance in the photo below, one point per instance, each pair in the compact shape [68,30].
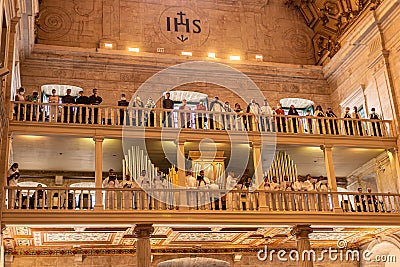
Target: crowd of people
[224,116]
[203,192]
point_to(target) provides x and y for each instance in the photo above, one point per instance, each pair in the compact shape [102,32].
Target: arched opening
[194,262]
[61,90]
[300,104]
[87,197]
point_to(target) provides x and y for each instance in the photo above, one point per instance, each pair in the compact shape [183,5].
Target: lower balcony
[59,205]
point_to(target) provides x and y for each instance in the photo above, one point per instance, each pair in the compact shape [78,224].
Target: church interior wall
[238,27]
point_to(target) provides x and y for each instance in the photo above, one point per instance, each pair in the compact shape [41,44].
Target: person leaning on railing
[12,180]
[82,102]
[19,97]
[94,100]
[266,120]
[169,105]
[358,124]
[360,201]
[201,117]
[33,108]
[348,126]
[53,110]
[68,99]
[320,121]
[123,103]
[293,112]
[333,126]
[376,126]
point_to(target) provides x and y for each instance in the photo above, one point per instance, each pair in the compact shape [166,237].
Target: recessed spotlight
[108,45]
[259,57]
[234,57]
[187,54]
[133,49]
[211,55]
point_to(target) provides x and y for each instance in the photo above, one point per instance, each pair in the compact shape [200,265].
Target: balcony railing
[129,199]
[92,115]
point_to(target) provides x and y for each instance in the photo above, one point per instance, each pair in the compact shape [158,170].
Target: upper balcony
[114,122]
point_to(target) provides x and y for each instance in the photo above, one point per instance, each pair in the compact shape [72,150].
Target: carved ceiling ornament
[330,19]
[184,26]
[53,23]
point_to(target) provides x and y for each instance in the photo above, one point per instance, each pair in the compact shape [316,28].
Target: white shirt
[143,182]
[230,182]
[322,186]
[309,185]
[286,186]
[298,186]
[107,184]
[275,186]
[213,186]
[255,109]
[217,106]
[266,110]
[191,182]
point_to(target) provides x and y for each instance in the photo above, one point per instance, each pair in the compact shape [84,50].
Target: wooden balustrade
[197,119]
[128,199]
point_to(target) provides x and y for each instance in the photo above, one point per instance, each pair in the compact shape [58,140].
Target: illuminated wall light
[211,55]
[133,49]
[259,57]
[187,54]
[108,45]
[234,57]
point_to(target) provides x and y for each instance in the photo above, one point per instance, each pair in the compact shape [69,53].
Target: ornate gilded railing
[103,115]
[131,199]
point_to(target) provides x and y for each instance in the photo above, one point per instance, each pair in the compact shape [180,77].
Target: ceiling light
[211,55]
[187,54]
[234,57]
[133,49]
[259,57]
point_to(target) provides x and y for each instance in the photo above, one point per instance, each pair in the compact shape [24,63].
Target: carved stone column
[258,173]
[5,152]
[394,160]
[143,248]
[180,160]
[303,243]
[98,171]
[330,173]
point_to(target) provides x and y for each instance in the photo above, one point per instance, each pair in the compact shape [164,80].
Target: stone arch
[194,262]
[387,248]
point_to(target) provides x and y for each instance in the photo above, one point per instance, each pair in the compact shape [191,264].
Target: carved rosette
[53,23]
[299,44]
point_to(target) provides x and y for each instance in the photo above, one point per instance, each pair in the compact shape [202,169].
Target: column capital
[255,144]
[326,147]
[143,230]
[301,231]
[179,142]
[98,138]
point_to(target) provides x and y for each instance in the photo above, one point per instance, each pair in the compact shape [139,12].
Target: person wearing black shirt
[122,103]
[376,126]
[94,100]
[293,112]
[333,126]
[168,104]
[68,99]
[81,111]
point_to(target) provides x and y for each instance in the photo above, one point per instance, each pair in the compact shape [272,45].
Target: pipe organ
[281,166]
[212,162]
